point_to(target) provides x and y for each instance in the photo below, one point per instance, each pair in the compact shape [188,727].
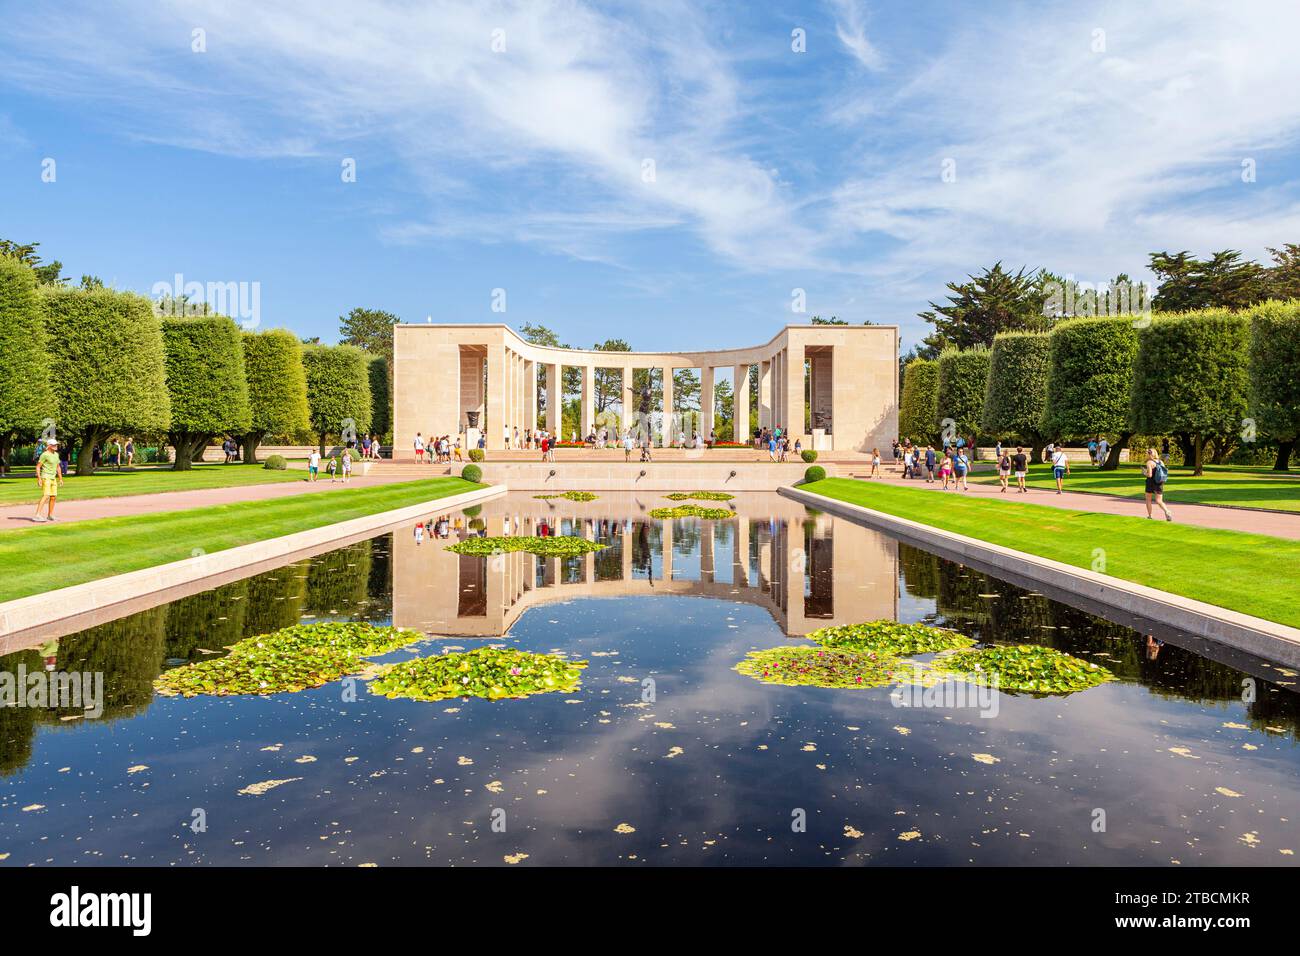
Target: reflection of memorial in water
[804,569]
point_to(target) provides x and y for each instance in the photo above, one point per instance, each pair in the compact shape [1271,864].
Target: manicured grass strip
[1251,573]
[107,483]
[1242,490]
[46,557]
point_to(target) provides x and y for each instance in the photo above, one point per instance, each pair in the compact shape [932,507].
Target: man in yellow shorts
[48,478]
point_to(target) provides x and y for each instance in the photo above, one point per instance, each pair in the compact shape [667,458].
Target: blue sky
[1082,137]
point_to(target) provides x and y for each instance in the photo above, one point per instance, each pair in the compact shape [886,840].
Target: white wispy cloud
[850,27]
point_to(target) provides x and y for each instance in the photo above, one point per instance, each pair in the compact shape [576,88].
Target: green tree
[918,410]
[1191,379]
[1274,382]
[963,375]
[993,301]
[206,383]
[370,330]
[1284,276]
[1089,378]
[26,396]
[607,388]
[724,399]
[1224,281]
[1016,391]
[107,360]
[47,273]
[277,388]
[338,391]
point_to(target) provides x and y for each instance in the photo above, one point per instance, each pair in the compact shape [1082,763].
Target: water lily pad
[562,546]
[571,496]
[819,667]
[699,496]
[1030,668]
[692,511]
[890,637]
[490,672]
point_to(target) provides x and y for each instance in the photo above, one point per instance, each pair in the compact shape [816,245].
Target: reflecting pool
[665,754]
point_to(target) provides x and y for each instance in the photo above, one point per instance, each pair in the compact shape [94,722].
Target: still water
[665,755]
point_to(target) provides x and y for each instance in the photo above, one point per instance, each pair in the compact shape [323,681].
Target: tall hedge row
[106,360]
[1274,398]
[338,390]
[1090,376]
[26,398]
[963,380]
[918,408]
[205,382]
[1016,390]
[1191,377]
[277,388]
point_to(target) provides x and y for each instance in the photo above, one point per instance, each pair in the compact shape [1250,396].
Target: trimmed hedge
[277,387]
[26,398]
[963,375]
[1016,390]
[205,382]
[814,473]
[1191,376]
[1089,377]
[106,353]
[276,463]
[1274,395]
[476,454]
[808,455]
[918,408]
[338,389]
[472,473]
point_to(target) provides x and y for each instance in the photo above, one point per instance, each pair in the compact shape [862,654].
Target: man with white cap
[48,478]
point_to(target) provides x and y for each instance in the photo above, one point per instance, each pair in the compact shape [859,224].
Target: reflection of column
[706,401]
[627,553]
[588,400]
[764,560]
[740,557]
[496,398]
[552,572]
[740,404]
[765,394]
[706,552]
[668,431]
[589,559]
[666,541]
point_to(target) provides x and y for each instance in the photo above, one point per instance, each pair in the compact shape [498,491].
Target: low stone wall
[1243,632]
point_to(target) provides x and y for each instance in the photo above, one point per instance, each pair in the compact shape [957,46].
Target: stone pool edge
[1254,635]
[50,607]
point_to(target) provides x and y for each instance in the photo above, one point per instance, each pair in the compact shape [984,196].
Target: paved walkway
[20,516]
[1203,516]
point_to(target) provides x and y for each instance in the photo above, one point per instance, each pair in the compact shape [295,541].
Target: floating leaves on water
[625,828]
[286,661]
[257,789]
[890,637]
[491,672]
[561,546]
[1030,668]
[692,511]
[571,496]
[699,496]
[986,758]
[818,667]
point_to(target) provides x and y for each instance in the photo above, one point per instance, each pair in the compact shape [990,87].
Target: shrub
[276,463]
[814,473]
[106,354]
[476,454]
[808,455]
[338,390]
[1274,384]
[1017,387]
[1089,376]
[206,382]
[963,374]
[472,473]
[1190,377]
[25,394]
[918,409]
[277,387]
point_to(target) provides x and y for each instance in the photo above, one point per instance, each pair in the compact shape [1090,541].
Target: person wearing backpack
[1157,473]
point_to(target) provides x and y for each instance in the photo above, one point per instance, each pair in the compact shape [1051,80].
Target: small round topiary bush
[808,455]
[814,473]
[276,463]
[472,473]
[476,454]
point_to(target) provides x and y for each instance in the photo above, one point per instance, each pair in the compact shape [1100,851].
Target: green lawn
[1254,574]
[1218,486]
[142,480]
[44,557]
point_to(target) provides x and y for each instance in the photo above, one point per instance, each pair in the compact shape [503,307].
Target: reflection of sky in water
[710,772]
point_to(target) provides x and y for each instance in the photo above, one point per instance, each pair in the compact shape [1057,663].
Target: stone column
[554,388]
[530,395]
[793,394]
[668,428]
[588,400]
[706,401]
[493,428]
[740,404]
